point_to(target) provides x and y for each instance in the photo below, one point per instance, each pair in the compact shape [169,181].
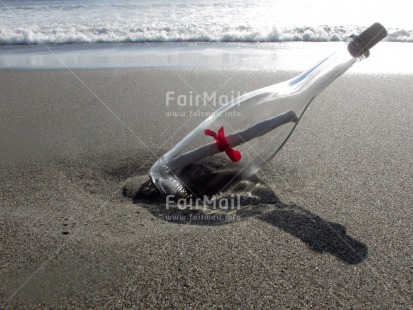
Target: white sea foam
[176,33]
[64,21]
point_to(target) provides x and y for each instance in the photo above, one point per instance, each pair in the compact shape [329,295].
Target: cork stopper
[361,44]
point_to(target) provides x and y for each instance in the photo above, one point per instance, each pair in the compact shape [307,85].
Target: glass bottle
[239,138]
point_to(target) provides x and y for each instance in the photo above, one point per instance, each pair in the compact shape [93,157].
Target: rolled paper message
[233,140]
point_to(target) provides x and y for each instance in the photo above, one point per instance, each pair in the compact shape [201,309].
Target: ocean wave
[113,33]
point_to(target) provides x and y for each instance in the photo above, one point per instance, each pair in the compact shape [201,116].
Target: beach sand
[328,222]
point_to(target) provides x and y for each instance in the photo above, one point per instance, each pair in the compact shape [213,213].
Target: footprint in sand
[67,226]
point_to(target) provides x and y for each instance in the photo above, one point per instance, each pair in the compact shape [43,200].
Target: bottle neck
[316,79]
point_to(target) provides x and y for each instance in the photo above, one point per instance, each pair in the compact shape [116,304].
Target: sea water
[108,21]
[263,34]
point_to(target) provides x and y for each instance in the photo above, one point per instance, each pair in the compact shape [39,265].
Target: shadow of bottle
[318,234]
[256,199]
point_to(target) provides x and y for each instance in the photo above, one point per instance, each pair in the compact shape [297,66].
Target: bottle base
[166,181]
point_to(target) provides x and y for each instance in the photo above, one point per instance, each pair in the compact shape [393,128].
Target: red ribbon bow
[222,144]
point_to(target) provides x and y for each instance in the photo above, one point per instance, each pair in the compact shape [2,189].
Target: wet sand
[326,224]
